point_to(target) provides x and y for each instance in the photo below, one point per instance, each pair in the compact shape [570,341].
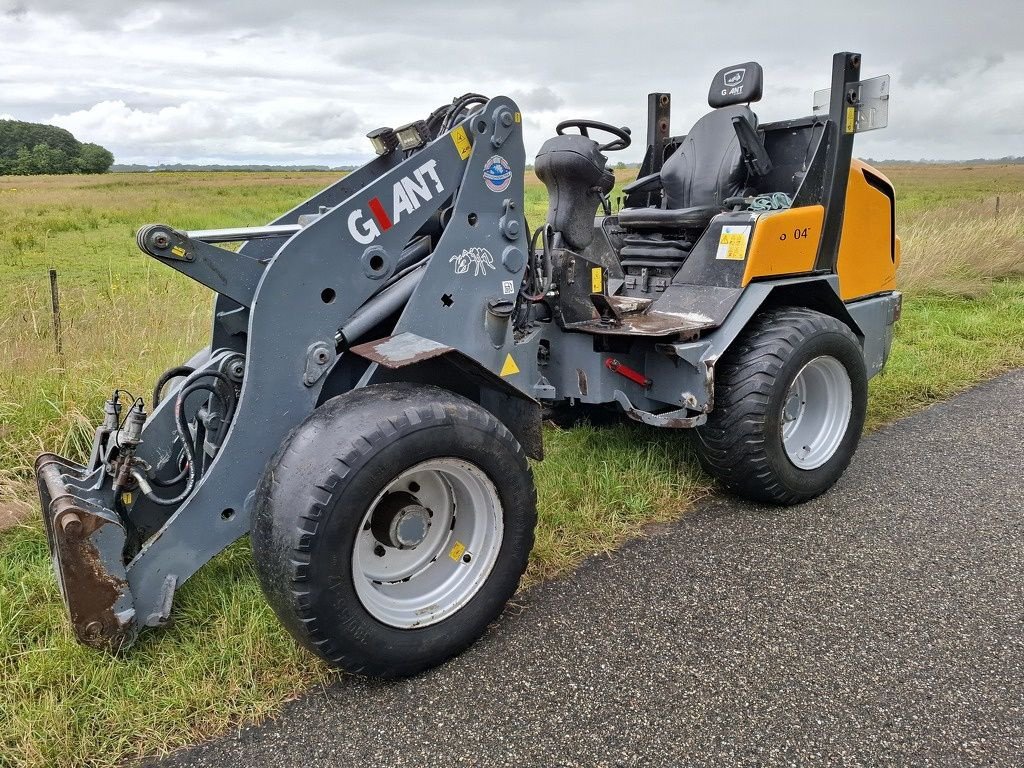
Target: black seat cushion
[667,218]
[708,167]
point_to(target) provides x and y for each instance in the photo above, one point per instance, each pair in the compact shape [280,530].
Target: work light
[383,140]
[413,135]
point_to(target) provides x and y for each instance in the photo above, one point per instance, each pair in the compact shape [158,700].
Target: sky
[261,81]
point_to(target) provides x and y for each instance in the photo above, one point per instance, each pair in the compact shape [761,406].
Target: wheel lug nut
[378,550]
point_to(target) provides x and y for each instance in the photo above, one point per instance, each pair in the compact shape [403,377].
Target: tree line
[31,148]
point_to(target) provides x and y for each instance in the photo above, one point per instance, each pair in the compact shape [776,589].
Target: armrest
[647,183]
[754,153]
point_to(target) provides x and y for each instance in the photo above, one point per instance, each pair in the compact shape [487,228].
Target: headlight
[383,140]
[413,135]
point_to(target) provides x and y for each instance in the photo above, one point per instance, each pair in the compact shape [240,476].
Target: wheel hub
[400,521]
[816,412]
[427,543]
[791,410]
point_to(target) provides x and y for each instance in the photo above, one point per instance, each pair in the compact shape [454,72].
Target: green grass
[926,187]
[226,661]
[944,344]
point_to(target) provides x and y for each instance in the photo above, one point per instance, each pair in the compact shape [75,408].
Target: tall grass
[112,333]
[960,250]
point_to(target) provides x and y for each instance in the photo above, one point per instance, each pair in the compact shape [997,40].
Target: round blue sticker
[497,173]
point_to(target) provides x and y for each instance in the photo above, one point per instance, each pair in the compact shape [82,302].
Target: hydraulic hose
[181,424]
[541,279]
[166,376]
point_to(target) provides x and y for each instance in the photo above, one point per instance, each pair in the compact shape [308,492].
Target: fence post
[55,304]
[997,206]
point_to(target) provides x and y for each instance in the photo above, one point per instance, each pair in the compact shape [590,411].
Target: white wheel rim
[430,578]
[816,412]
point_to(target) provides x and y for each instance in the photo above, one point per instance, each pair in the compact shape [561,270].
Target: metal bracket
[677,419]
[86,543]
[400,350]
[162,618]
[319,359]
[504,124]
[229,273]
[509,222]
[700,357]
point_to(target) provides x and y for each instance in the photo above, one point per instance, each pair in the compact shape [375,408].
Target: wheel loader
[381,358]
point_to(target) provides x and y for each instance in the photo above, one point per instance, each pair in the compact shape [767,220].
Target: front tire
[790,399]
[392,527]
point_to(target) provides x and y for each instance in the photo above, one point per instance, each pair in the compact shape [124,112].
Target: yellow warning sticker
[461,141]
[596,280]
[457,551]
[509,368]
[851,119]
[519,117]
[732,244]
[178,251]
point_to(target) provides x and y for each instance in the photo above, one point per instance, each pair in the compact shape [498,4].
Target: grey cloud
[326,121]
[939,68]
[267,79]
[541,98]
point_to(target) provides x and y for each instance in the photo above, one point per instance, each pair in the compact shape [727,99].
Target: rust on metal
[71,524]
[90,590]
[686,326]
[683,311]
[401,350]
[581,377]
[677,419]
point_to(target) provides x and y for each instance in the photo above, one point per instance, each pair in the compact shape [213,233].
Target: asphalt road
[881,625]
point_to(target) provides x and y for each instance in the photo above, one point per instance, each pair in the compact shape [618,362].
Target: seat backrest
[708,166]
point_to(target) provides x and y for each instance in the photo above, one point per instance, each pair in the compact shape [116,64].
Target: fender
[413,358]
[817,292]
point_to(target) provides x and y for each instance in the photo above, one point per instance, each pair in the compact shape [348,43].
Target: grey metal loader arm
[286,302]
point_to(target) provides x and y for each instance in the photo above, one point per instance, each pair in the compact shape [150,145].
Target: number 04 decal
[798,234]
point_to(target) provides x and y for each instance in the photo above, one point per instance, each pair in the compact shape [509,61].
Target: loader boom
[280,308]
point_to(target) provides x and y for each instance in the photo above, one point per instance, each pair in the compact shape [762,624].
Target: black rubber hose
[172,482]
[461,103]
[541,281]
[181,424]
[166,376]
[229,412]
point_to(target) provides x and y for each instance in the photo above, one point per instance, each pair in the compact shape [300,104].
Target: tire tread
[732,444]
[284,554]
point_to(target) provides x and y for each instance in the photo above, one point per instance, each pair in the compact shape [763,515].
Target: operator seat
[709,166]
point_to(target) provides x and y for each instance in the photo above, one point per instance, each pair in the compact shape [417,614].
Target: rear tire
[392,527]
[790,399]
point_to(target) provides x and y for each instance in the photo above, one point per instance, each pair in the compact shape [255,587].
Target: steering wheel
[621,141]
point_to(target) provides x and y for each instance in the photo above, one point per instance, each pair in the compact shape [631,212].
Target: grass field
[126,318]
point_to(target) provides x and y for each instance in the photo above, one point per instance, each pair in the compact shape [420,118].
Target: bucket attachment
[86,545]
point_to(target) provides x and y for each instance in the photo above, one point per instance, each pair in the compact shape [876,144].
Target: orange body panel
[868,250]
[785,242]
